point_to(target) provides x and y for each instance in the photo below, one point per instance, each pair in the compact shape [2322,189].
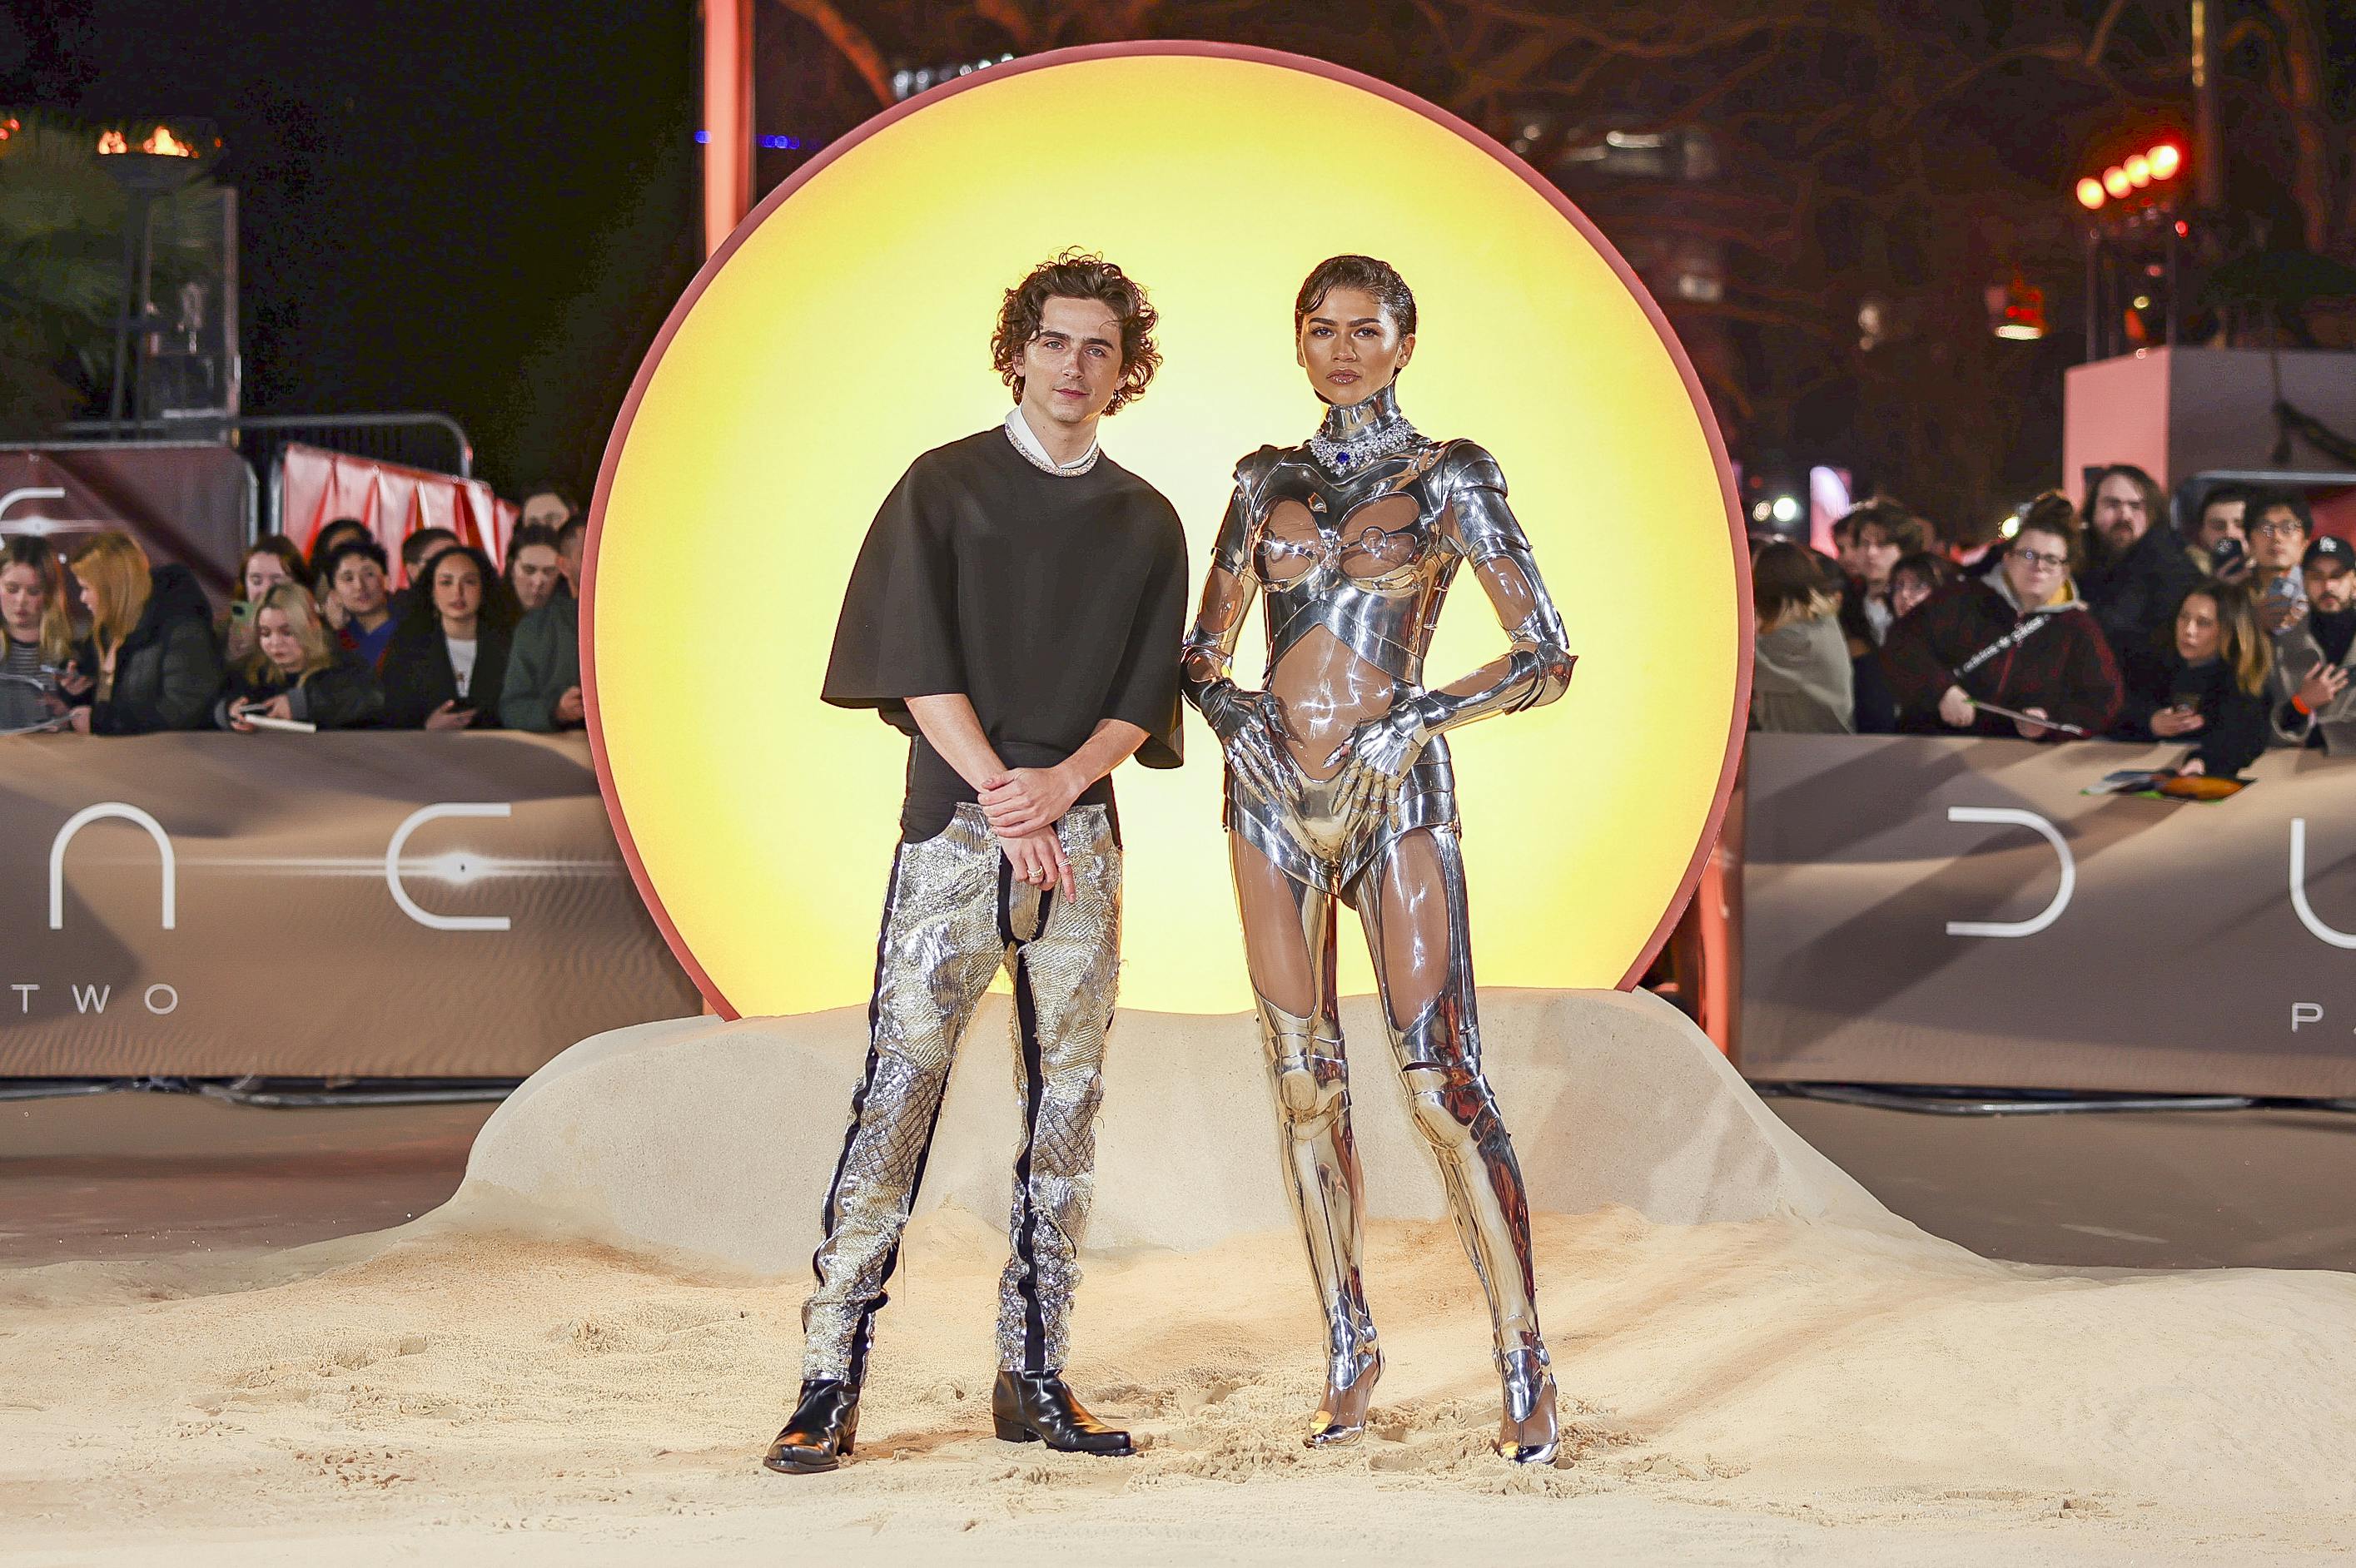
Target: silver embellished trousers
[953,916]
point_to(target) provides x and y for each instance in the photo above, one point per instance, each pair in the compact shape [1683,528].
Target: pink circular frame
[1053,58]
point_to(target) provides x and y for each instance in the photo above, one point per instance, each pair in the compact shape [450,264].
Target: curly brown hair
[1079,275]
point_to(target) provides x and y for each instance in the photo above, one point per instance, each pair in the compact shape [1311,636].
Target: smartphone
[2227,555]
[2287,589]
[241,611]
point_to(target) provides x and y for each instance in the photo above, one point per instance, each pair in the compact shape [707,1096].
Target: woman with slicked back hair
[1339,790]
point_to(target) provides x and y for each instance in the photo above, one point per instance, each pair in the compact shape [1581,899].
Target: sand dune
[1813,1381]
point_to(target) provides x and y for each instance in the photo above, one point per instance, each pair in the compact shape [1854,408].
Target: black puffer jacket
[168,669]
[344,696]
[2234,722]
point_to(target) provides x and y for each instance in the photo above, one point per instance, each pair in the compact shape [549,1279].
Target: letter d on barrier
[2016,817]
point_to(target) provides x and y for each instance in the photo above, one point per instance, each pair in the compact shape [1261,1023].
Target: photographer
[2220,544]
[2210,686]
[2313,693]
[2020,638]
[295,671]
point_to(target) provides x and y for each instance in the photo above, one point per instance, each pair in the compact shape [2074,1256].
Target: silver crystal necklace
[1364,432]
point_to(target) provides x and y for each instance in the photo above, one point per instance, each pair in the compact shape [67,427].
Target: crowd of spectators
[2095,622]
[107,643]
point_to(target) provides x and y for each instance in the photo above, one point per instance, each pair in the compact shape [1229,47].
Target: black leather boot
[824,1426]
[1035,1407]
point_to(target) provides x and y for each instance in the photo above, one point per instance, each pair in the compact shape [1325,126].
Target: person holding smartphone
[2208,687]
[295,673]
[36,638]
[272,560]
[2315,655]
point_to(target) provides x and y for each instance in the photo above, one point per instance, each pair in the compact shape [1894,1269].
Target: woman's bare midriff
[1324,690]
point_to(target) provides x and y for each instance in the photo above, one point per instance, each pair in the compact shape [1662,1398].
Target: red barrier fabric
[316,487]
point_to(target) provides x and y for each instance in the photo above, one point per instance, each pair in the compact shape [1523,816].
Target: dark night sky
[482,207]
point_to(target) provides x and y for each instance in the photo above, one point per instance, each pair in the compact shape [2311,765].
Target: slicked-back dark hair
[1079,274]
[1377,278]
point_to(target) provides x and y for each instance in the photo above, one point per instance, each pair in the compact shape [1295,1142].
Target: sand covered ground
[482,1387]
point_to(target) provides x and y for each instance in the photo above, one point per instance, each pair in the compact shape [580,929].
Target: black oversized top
[1052,602]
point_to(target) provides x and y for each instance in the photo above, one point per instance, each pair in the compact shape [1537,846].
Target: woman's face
[1906,591]
[275,632]
[458,587]
[1350,346]
[263,572]
[90,596]
[20,602]
[2035,566]
[359,584]
[2197,635]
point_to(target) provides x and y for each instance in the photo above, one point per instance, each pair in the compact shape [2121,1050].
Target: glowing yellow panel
[847,330]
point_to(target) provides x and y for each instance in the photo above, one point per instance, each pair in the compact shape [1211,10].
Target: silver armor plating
[953,917]
[1355,537]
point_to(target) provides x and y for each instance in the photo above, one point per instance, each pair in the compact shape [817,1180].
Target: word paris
[159,998]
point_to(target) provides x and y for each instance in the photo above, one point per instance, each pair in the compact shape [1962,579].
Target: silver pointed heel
[1343,1417]
[1529,1434]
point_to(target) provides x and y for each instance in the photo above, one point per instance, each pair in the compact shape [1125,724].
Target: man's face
[534,573]
[2222,521]
[1071,366]
[2120,514]
[1848,549]
[1876,554]
[568,556]
[2330,587]
[548,509]
[359,584]
[2277,540]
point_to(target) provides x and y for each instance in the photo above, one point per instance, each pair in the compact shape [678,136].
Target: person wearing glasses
[2021,638]
[2278,530]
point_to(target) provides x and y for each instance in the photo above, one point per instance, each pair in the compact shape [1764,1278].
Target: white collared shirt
[1018,430]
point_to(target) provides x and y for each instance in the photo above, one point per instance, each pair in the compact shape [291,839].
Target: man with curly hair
[1015,611]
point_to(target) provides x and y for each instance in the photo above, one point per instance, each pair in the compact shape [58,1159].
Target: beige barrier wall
[1955,912]
[438,905]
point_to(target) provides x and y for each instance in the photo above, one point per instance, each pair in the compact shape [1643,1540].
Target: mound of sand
[1792,1375]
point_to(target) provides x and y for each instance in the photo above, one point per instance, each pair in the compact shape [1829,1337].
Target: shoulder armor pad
[1468,466]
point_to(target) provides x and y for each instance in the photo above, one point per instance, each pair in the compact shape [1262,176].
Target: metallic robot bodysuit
[1353,539]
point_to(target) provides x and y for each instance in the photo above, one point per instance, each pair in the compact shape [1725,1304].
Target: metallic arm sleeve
[1208,653]
[1537,667]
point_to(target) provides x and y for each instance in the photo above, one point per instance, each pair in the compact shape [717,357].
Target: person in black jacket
[443,668]
[2137,573]
[157,667]
[296,671]
[2208,686]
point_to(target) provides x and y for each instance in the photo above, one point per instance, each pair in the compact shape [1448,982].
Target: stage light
[2090,193]
[2139,171]
[2010,526]
[1787,509]
[769,869]
[1759,511]
[2164,160]
[2143,302]
[2183,229]
[2116,181]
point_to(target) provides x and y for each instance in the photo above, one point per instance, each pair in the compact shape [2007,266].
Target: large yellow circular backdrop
[846,328]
